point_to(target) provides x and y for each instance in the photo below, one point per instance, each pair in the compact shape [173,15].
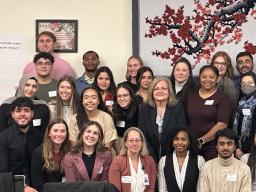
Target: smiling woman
[66,103]
[28,86]
[181,164]
[134,169]
[92,108]
[47,159]
[88,160]
[208,110]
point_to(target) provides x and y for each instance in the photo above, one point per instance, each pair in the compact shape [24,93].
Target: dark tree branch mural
[214,23]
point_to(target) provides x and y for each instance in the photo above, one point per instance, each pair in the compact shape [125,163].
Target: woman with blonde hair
[88,160]
[222,62]
[47,159]
[158,115]
[133,170]
[134,63]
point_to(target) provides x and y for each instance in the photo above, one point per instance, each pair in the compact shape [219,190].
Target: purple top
[203,114]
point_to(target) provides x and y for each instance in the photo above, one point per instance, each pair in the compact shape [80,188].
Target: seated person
[88,159]
[134,169]
[47,159]
[179,169]
[28,87]
[18,142]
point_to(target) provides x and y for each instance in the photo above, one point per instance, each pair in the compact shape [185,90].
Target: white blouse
[137,183]
[179,174]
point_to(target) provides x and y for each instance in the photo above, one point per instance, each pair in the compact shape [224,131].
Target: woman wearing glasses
[222,62]
[245,118]
[133,170]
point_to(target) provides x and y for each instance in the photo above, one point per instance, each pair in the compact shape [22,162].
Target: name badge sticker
[101,170]
[246,112]
[52,93]
[145,180]
[209,102]
[231,177]
[36,122]
[126,179]
[109,103]
[120,123]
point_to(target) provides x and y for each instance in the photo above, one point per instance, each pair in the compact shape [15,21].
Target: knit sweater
[225,175]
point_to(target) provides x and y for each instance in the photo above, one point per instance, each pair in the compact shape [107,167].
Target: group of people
[145,134]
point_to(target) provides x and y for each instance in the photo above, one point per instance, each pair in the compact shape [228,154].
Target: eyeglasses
[220,63]
[136,141]
[124,95]
[251,84]
[47,64]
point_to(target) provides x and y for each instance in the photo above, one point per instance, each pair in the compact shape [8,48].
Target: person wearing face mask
[245,118]
[28,86]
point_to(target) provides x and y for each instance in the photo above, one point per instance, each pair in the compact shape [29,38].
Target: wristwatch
[200,142]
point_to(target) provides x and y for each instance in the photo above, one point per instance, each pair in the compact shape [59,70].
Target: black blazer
[174,115]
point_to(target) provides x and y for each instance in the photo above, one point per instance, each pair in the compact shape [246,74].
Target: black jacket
[173,116]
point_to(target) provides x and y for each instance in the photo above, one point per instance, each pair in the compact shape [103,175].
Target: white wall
[103,25]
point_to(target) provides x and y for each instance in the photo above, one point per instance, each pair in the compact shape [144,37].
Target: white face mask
[247,90]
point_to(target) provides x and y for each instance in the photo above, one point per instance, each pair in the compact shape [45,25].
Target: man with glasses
[46,84]
[90,63]
[45,43]
[244,64]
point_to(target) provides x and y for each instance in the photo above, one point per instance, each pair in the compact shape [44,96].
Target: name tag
[109,103]
[101,170]
[63,180]
[246,112]
[145,180]
[209,102]
[120,123]
[52,93]
[126,179]
[36,122]
[231,177]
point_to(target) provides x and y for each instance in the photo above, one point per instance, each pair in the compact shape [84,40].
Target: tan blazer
[121,167]
[75,169]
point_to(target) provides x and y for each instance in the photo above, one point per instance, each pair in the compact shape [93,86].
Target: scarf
[246,124]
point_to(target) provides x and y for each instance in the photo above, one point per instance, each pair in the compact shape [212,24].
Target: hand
[29,189]
[238,153]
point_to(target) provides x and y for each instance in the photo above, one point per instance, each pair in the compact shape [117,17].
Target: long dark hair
[132,108]
[82,116]
[252,161]
[112,86]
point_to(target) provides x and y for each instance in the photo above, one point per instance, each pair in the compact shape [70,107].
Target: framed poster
[65,32]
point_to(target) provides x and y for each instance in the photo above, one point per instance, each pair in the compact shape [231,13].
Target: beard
[23,126]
